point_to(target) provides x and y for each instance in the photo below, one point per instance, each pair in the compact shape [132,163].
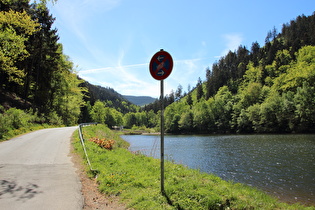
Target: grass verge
[135,178]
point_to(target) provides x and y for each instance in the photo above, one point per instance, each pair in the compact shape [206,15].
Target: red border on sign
[167,70]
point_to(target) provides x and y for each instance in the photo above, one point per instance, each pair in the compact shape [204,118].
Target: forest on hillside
[38,82]
[268,89]
[263,89]
[33,67]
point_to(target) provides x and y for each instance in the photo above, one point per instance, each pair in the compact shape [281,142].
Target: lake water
[282,165]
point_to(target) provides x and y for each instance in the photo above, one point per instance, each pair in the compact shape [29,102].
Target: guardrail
[83,144]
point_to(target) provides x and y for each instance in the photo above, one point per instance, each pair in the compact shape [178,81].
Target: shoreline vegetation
[135,179]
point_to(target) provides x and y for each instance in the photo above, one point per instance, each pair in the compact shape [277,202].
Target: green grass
[135,178]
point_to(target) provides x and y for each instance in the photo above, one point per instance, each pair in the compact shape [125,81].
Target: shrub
[106,144]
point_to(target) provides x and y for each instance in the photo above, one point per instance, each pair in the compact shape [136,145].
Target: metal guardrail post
[83,144]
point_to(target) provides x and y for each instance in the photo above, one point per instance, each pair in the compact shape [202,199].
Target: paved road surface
[36,172]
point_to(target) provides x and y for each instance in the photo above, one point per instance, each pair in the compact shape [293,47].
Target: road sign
[161,65]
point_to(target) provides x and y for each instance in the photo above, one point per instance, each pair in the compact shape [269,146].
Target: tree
[199,89]
[222,107]
[203,120]
[118,117]
[174,124]
[254,117]
[130,119]
[250,95]
[98,112]
[43,62]
[208,83]
[109,118]
[303,70]
[244,124]
[186,122]
[253,74]
[178,93]
[270,112]
[255,53]
[305,107]
[152,119]
[189,99]
[15,29]
[170,98]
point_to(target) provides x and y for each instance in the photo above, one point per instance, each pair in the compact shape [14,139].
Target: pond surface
[282,165]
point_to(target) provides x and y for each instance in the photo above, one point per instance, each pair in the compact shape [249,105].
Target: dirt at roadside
[93,199]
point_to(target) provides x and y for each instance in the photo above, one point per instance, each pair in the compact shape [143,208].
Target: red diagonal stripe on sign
[160,66]
[161,63]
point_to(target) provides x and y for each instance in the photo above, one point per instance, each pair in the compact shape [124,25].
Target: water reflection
[283,165]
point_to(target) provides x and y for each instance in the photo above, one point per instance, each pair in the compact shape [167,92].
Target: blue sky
[112,41]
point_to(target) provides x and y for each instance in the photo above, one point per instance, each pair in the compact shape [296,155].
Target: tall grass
[135,178]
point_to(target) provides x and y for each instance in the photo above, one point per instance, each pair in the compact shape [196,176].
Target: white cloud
[135,79]
[232,42]
[116,68]
[131,79]
[76,16]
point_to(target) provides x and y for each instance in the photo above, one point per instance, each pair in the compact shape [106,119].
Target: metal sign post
[161,66]
[162,137]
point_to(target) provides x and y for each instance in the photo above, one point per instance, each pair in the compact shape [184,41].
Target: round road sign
[161,65]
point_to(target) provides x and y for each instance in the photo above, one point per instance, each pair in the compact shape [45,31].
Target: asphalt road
[36,172]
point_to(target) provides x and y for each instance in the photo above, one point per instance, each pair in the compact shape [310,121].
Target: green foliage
[135,178]
[200,92]
[109,96]
[55,119]
[268,89]
[98,112]
[203,117]
[33,66]
[186,122]
[253,74]
[140,119]
[278,98]
[68,96]
[15,122]
[15,28]
[303,70]
[102,114]
[305,103]
[130,120]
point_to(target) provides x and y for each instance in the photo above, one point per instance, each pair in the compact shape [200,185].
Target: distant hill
[106,94]
[97,92]
[139,100]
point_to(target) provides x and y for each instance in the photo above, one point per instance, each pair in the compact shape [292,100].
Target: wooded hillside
[38,82]
[33,66]
[269,89]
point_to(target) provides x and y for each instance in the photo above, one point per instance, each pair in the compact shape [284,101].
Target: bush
[55,119]
[3,125]
[18,118]
[14,121]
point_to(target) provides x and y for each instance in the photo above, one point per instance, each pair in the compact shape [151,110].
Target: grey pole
[162,137]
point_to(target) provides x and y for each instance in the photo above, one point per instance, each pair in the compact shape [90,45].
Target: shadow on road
[21,193]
